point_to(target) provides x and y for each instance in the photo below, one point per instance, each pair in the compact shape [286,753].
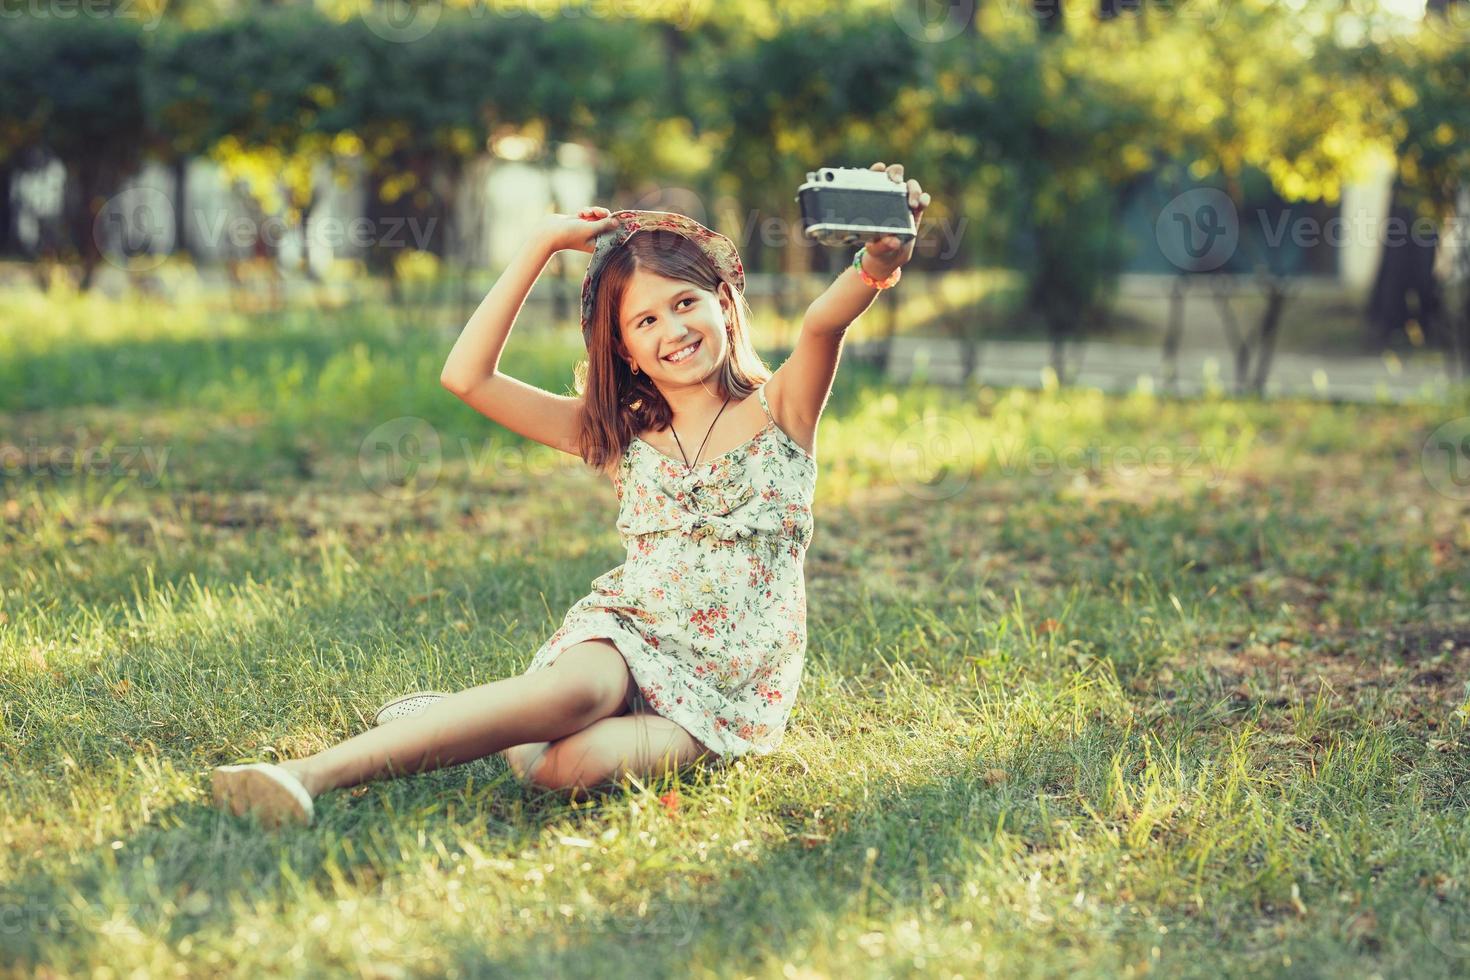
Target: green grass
[1209,719]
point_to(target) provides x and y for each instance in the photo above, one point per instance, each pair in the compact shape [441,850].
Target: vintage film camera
[844,205]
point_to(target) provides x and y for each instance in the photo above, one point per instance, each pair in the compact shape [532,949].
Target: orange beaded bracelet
[857,263]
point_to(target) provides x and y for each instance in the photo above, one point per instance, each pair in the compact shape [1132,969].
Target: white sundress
[709,609]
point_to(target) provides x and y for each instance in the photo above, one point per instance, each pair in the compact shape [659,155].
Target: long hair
[618,404]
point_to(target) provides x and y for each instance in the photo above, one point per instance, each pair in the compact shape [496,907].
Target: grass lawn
[1200,714]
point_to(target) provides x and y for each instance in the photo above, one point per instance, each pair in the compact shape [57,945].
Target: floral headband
[720,250]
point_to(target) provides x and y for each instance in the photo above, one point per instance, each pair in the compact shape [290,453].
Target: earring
[635,368]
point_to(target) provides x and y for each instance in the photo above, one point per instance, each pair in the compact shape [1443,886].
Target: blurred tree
[268,98]
[429,106]
[1217,93]
[71,90]
[1049,16]
[1110,9]
[825,92]
[1426,119]
[21,109]
[1055,122]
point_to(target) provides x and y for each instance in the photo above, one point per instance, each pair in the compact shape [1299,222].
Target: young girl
[692,649]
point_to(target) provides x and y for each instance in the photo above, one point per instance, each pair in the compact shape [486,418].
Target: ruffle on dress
[708,502]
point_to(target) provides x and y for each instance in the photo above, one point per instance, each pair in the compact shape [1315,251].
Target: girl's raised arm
[472,370]
[798,389]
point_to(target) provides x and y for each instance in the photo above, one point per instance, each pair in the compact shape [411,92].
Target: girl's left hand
[889,250]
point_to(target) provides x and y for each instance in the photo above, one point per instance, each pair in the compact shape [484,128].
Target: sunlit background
[1138,603]
[1064,143]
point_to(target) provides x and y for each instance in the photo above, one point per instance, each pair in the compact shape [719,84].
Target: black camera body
[844,205]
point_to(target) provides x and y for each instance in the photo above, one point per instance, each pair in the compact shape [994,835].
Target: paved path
[1121,368]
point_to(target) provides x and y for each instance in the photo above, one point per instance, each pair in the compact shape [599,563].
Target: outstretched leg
[586,682]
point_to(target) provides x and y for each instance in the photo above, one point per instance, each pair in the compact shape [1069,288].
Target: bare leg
[642,744]
[586,682]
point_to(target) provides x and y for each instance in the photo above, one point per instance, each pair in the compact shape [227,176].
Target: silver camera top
[853,178]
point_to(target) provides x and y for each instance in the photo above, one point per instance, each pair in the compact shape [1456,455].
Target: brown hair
[618,404]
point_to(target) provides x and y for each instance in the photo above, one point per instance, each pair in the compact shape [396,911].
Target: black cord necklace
[687,464]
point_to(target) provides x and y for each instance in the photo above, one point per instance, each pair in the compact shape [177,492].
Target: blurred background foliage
[1032,123]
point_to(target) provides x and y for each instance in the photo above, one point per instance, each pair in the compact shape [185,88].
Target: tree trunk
[1111,9]
[1175,332]
[1240,345]
[1048,14]
[558,265]
[1276,294]
[1405,267]
[475,249]
[307,269]
[1458,327]
[376,258]
[179,168]
[1057,332]
[78,218]
[9,240]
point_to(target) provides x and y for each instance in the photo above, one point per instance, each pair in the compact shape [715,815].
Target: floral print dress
[709,609]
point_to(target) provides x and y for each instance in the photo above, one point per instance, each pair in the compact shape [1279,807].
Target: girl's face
[663,316]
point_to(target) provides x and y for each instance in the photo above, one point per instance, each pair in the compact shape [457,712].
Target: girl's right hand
[578,231]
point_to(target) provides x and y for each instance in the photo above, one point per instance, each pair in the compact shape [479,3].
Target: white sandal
[407,706]
[272,793]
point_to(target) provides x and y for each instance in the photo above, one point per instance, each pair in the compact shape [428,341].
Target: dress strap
[761,394]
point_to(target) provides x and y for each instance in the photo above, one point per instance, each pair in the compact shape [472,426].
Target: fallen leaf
[670,800]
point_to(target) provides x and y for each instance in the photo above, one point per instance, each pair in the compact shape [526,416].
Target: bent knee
[593,688]
[545,769]
[571,767]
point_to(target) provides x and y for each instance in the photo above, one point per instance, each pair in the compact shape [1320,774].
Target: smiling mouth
[686,352]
